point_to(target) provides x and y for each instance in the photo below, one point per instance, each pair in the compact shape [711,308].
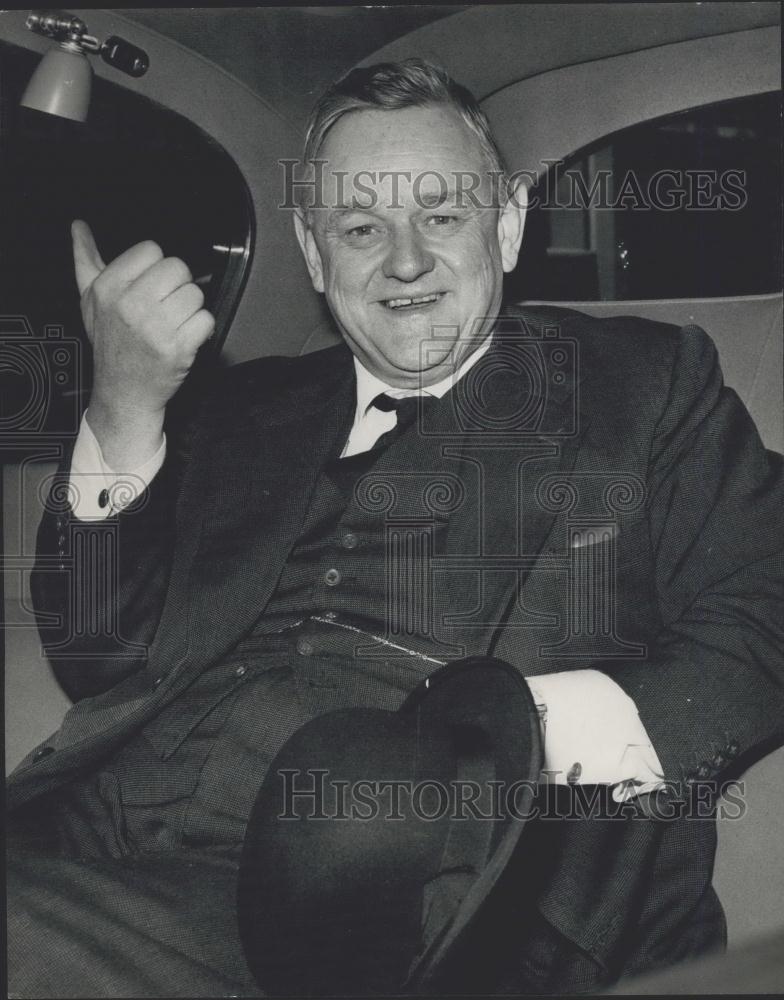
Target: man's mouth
[412,302]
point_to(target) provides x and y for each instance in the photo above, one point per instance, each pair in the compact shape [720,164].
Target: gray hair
[393,86]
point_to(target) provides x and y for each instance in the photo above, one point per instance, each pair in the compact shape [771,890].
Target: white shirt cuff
[593,734]
[95,489]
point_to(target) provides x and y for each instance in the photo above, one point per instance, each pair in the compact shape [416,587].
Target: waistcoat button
[304,648]
[332,577]
[350,540]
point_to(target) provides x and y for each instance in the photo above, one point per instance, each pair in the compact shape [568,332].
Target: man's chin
[422,348]
[413,373]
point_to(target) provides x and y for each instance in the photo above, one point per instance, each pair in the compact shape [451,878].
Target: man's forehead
[422,154]
[373,139]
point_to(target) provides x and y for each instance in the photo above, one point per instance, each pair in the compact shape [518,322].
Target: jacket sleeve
[711,691]
[99,587]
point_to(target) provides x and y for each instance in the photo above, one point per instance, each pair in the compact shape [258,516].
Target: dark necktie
[406,410]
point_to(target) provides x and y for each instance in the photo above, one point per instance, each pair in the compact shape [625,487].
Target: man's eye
[365,230]
[441,220]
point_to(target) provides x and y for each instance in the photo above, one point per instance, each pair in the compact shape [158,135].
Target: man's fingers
[88,262]
[160,280]
[135,262]
[197,329]
[183,303]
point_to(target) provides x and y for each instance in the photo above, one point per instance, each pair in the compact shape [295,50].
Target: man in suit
[583,499]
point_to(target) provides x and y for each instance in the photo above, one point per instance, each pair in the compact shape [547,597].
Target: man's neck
[369,385]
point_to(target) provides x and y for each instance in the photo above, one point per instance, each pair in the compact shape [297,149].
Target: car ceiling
[288,55]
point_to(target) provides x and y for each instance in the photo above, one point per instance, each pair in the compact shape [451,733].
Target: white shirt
[588,719]
[370,422]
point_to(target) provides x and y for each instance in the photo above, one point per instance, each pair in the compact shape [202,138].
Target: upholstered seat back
[748,333]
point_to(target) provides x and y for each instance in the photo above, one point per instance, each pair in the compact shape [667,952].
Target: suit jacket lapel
[525,435]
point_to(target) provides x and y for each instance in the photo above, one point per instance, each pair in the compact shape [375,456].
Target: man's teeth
[420,300]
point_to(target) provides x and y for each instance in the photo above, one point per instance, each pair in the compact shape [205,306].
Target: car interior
[192,154]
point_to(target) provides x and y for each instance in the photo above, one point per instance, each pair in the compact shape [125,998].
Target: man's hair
[392,86]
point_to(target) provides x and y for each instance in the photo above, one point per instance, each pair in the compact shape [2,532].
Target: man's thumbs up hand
[144,318]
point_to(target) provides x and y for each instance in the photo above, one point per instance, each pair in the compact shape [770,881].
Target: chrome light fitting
[62,82]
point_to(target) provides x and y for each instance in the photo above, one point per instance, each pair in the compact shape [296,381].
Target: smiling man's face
[410,269]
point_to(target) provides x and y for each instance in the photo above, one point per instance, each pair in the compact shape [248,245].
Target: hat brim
[491,694]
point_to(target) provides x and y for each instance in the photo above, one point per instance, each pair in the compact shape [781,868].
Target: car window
[134,171]
[687,206]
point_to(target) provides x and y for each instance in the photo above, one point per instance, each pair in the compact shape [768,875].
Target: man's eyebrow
[452,197]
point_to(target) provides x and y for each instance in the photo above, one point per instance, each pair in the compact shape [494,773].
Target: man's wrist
[127,437]
[96,489]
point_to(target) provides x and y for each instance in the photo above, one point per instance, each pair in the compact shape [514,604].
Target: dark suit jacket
[639,435]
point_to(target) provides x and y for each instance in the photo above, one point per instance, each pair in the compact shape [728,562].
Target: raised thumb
[88,262]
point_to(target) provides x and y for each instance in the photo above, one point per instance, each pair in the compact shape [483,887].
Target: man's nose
[408,258]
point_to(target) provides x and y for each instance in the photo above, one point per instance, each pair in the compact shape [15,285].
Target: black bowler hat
[377,836]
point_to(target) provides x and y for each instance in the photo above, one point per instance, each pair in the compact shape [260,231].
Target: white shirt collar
[370,385]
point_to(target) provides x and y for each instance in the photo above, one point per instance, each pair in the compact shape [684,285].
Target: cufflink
[103,499]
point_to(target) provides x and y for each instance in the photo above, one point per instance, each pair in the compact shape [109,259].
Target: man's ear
[511,222]
[310,251]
